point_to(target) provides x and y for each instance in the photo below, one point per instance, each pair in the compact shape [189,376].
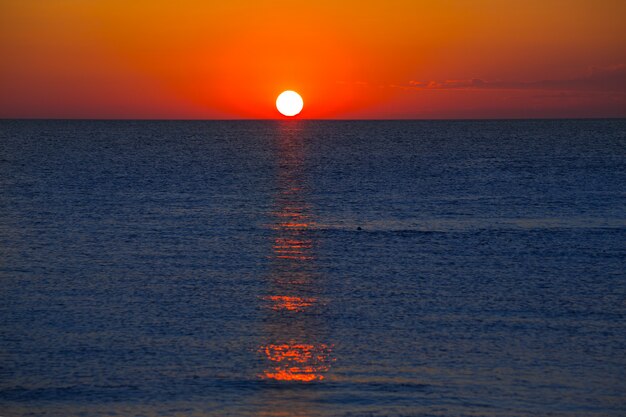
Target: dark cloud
[608,79]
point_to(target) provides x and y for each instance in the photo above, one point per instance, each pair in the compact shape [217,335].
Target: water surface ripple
[313,269]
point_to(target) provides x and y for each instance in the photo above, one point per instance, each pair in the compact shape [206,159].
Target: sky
[393,59]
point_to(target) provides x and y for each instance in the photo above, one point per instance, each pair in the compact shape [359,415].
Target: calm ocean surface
[309,268]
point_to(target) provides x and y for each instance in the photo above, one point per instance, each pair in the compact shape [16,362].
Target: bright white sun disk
[289,103]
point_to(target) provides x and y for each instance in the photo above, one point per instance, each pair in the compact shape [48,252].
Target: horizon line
[306,119]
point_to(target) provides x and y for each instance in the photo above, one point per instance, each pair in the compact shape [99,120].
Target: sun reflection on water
[297,362]
[291,303]
[294,349]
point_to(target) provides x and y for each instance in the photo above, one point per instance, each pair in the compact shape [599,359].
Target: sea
[313,268]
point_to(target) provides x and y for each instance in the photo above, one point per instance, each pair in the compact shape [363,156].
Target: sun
[289,103]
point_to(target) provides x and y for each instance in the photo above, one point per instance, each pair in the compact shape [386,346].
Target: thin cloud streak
[606,79]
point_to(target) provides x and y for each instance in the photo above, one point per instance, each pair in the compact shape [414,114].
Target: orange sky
[348,59]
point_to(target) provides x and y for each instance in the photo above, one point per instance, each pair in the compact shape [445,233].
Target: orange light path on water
[294,350]
[297,362]
[290,303]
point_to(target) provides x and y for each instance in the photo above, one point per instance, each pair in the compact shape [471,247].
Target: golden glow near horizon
[349,59]
[289,103]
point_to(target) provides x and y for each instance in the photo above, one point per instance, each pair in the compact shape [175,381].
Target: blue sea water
[313,268]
